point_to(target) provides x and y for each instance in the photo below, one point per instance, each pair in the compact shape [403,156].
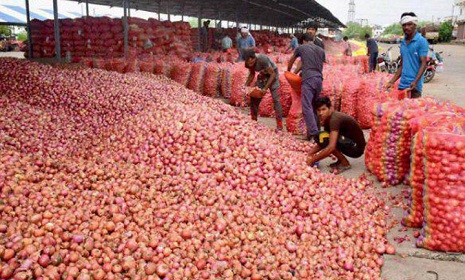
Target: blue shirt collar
[415,38]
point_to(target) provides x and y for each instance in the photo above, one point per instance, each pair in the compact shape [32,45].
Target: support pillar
[57,31]
[125,28]
[29,36]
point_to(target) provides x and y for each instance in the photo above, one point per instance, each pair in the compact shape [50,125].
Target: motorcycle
[386,63]
[434,64]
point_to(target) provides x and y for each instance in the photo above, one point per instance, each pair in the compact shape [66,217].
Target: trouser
[415,93]
[255,102]
[344,145]
[373,61]
[311,89]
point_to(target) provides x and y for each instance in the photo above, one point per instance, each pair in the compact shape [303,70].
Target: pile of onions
[104,179]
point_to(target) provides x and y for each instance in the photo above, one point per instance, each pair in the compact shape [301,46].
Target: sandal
[339,169]
[335,164]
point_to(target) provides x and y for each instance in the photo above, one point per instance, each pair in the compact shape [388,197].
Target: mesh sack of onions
[295,123]
[266,108]
[285,91]
[444,192]
[99,63]
[332,88]
[181,72]
[146,65]
[371,92]
[88,62]
[161,67]
[212,80]
[349,96]
[239,76]
[196,81]
[132,65]
[445,122]
[118,64]
[226,80]
[393,138]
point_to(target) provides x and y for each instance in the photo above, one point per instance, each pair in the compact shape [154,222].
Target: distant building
[460,19]
[377,32]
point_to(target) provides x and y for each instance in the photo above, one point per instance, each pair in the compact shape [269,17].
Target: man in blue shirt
[372,47]
[294,43]
[413,51]
[245,41]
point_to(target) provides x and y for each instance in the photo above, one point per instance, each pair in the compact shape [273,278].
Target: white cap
[244,30]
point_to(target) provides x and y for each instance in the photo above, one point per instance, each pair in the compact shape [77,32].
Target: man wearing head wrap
[244,41]
[413,51]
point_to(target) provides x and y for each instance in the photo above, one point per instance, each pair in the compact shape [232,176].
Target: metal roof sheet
[265,12]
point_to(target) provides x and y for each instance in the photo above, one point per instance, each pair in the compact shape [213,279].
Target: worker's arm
[271,79]
[250,77]
[324,153]
[299,67]
[396,76]
[291,63]
[420,73]
[314,150]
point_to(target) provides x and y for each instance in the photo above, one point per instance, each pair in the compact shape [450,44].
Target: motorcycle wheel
[393,68]
[429,75]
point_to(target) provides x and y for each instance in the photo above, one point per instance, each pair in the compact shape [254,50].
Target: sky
[386,12]
[380,12]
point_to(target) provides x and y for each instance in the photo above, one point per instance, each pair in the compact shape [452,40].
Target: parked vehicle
[386,63]
[10,44]
[434,64]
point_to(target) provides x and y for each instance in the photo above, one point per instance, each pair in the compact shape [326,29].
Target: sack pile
[104,37]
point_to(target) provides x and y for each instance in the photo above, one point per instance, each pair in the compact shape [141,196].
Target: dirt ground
[409,262]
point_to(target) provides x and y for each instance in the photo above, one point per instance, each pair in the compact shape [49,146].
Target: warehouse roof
[279,13]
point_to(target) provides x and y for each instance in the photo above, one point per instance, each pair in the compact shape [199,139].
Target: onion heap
[105,179]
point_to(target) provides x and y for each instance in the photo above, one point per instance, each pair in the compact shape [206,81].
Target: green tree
[394,28]
[445,31]
[22,36]
[5,30]
[355,30]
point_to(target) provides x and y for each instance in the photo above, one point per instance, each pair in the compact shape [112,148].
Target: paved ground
[12,54]
[409,262]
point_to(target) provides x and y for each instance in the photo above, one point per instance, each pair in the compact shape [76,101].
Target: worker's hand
[412,86]
[389,85]
[310,160]
[263,90]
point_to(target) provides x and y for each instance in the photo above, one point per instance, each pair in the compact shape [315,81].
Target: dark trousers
[415,93]
[255,102]
[373,60]
[345,145]
[311,89]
